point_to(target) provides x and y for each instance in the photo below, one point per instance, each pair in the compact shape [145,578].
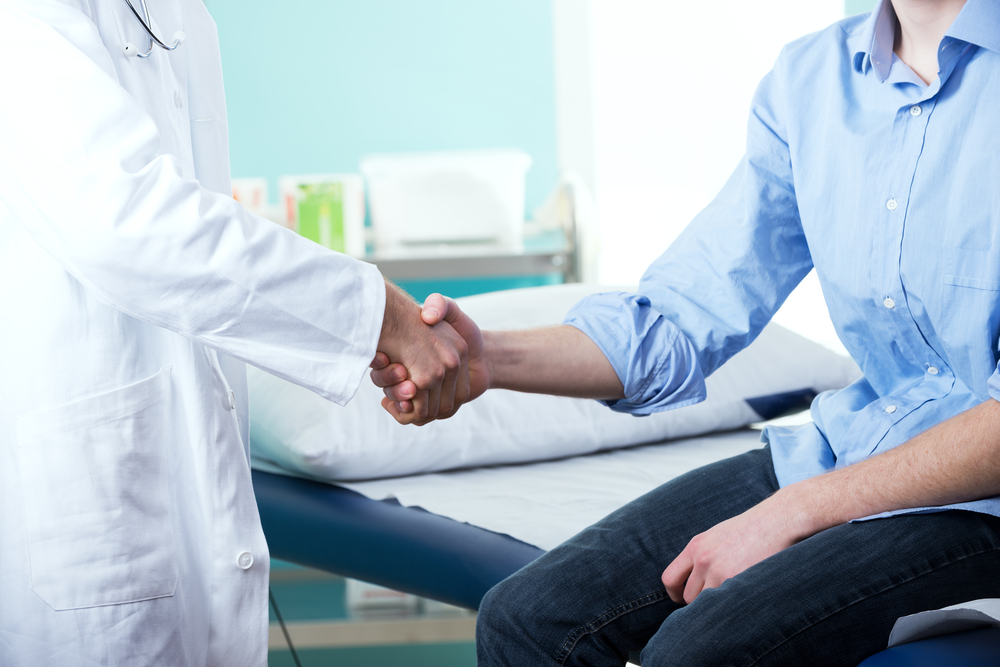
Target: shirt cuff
[993,384]
[656,363]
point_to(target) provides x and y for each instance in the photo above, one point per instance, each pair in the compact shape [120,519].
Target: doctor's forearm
[958,460]
[559,360]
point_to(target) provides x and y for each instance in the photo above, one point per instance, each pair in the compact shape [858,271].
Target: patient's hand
[392,377]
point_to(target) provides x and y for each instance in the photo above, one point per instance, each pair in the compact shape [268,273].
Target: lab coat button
[889,409]
[232,400]
[177,99]
[932,370]
[892,204]
[915,110]
[889,303]
[245,560]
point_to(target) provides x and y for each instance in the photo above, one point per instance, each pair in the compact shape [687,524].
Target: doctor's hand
[431,372]
[438,310]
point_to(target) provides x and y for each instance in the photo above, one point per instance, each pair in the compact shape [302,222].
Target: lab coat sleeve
[80,168]
[716,287]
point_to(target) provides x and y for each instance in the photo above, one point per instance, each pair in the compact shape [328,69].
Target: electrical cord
[281,622]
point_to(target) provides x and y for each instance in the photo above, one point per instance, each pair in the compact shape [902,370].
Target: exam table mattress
[450,536]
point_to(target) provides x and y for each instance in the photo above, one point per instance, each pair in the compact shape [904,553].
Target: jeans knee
[495,619]
[507,631]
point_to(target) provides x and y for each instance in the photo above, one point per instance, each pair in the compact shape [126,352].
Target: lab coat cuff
[358,357]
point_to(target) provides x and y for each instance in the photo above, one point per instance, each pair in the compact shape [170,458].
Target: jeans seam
[923,573]
[603,620]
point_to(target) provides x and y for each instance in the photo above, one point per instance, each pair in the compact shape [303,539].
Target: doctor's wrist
[399,309]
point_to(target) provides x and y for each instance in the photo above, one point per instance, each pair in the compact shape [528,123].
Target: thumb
[435,309]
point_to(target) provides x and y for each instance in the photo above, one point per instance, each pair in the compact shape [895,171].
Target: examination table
[334,529]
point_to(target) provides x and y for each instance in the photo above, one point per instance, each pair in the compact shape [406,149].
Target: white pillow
[302,433]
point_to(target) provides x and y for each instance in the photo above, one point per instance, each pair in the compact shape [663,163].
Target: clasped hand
[430,360]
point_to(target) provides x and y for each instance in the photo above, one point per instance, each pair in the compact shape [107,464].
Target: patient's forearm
[955,461]
[558,360]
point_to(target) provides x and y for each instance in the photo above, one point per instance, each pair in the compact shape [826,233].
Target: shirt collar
[875,46]
[978,23]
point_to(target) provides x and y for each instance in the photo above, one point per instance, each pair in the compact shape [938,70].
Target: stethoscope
[130,50]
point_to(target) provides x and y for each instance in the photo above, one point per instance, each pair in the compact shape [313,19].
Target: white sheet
[983,613]
[546,503]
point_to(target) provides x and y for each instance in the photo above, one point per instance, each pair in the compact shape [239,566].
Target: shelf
[357,632]
[463,266]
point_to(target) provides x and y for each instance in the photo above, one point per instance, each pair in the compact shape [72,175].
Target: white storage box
[464,197]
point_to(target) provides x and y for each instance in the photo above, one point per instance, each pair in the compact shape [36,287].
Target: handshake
[433,359]
[430,360]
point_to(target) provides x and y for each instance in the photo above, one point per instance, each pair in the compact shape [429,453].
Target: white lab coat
[130,285]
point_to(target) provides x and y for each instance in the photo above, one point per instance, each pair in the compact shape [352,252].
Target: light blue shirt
[890,188]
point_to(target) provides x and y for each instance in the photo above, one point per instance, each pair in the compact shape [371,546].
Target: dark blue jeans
[829,600]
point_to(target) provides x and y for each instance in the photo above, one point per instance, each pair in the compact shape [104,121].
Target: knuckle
[452,361]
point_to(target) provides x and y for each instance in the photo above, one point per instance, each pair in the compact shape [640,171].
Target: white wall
[671,85]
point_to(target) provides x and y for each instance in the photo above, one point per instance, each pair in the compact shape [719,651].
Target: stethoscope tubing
[153,39]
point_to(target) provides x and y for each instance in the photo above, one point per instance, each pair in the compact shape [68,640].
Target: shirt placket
[906,145]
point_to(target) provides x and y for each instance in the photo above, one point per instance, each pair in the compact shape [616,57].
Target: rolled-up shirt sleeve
[655,362]
[716,287]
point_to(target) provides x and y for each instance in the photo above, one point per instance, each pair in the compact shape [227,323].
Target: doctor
[133,291]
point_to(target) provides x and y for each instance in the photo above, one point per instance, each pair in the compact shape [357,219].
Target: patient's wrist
[496,357]
[806,508]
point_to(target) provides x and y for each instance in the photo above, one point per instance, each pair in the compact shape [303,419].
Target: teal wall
[852,7]
[311,85]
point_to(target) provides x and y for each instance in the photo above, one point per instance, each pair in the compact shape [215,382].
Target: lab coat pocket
[96,500]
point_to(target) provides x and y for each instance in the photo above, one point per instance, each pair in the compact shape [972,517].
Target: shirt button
[915,110]
[245,560]
[889,303]
[932,370]
[889,409]
[891,204]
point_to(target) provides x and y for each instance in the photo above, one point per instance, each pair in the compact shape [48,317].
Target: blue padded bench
[972,648]
[334,529]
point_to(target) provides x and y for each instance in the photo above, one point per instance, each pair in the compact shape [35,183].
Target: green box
[321,214]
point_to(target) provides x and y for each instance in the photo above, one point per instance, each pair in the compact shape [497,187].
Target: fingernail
[398,374]
[432,313]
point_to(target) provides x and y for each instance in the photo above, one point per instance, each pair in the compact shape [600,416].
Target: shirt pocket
[977,269]
[95,497]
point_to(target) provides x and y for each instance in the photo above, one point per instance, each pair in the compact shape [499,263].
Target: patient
[872,156]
